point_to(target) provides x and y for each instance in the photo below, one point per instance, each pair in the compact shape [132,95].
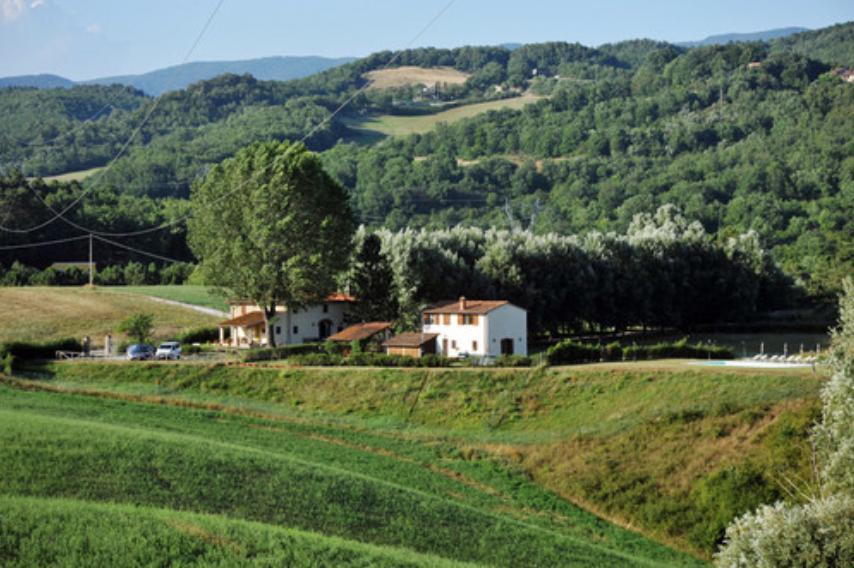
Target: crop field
[195,295]
[671,450]
[409,75]
[338,494]
[45,313]
[396,125]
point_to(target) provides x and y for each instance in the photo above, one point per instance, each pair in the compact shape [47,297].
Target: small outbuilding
[371,336]
[412,344]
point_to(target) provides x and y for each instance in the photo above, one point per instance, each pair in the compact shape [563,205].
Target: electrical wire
[72,131]
[136,250]
[44,243]
[136,131]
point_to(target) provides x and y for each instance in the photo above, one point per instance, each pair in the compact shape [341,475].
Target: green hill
[429,460]
[300,475]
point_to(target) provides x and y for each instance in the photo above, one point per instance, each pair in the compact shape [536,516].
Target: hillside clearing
[399,125]
[79,175]
[45,313]
[409,75]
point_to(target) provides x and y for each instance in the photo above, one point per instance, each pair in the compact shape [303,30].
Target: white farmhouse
[485,328]
[313,323]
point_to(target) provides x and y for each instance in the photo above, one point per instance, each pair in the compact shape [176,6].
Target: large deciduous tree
[270,225]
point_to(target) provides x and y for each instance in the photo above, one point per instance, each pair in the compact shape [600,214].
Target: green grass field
[81,454]
[672,450]
[195,295]
[45,313]
[395,125]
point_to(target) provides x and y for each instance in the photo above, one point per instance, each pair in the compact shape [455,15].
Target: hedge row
[570,351]
[283,352]
[199,335]
[33,350]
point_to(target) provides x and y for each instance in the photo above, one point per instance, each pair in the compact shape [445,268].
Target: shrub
[571,351]
[9,364]
[819,533]
[513,361]
[138,327]
[27,350]
[282,352]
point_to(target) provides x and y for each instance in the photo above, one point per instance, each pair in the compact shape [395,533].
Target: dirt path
[200,309]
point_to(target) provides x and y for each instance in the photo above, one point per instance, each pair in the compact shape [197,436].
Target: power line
[44,243]
[136,250]
[240,186]
[136,131]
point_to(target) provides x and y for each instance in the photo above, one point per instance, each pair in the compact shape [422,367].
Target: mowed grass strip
[109,462]
[44,313]
[39,532]
[400,125]
[186,293]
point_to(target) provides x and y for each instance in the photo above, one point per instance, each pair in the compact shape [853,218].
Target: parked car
[140,352]
[168,350]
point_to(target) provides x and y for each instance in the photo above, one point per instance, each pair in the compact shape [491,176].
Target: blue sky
[83,39]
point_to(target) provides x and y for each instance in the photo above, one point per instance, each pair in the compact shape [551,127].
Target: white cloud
[93,28]
[11,10]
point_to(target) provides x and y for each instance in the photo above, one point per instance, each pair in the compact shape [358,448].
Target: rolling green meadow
[595,465]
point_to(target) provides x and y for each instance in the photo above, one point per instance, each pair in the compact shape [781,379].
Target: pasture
[185,293]
[46,313]
[79,175]
[410,75]
[400,125]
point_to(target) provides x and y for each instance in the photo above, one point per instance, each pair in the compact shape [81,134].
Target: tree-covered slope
[833,45]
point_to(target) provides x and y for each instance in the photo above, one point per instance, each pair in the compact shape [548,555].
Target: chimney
[462,302]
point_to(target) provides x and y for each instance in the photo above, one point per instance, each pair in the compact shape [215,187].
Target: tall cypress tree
[373,283]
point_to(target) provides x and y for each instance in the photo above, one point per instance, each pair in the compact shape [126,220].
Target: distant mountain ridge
[766,35]
[43,81]
[277,68]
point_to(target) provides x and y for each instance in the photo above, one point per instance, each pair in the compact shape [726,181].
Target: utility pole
[91,265]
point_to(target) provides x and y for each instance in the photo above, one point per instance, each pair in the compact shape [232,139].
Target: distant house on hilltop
[313,323]
[481,328]
[844,73]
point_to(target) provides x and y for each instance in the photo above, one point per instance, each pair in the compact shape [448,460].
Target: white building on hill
[313,323]
[484,328]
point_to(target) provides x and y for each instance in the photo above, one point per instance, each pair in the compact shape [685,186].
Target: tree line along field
[469,465]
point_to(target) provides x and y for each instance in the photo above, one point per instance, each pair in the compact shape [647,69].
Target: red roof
[334,297]
[472,306]
[360,331]
[246,320]
[411,339]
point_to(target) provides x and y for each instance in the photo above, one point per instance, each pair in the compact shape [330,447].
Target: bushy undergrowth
[281,352]
[571,351]
[199,335]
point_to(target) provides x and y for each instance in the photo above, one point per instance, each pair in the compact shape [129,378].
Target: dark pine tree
[373,284]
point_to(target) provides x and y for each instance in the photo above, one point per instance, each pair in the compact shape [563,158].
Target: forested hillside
[741,137]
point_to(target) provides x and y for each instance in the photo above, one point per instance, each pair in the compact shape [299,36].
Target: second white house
[484,328]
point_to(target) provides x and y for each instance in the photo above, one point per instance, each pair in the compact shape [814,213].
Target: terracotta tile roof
[360,331]
[334,297]
[411,339]
[246,320]
[472,307]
